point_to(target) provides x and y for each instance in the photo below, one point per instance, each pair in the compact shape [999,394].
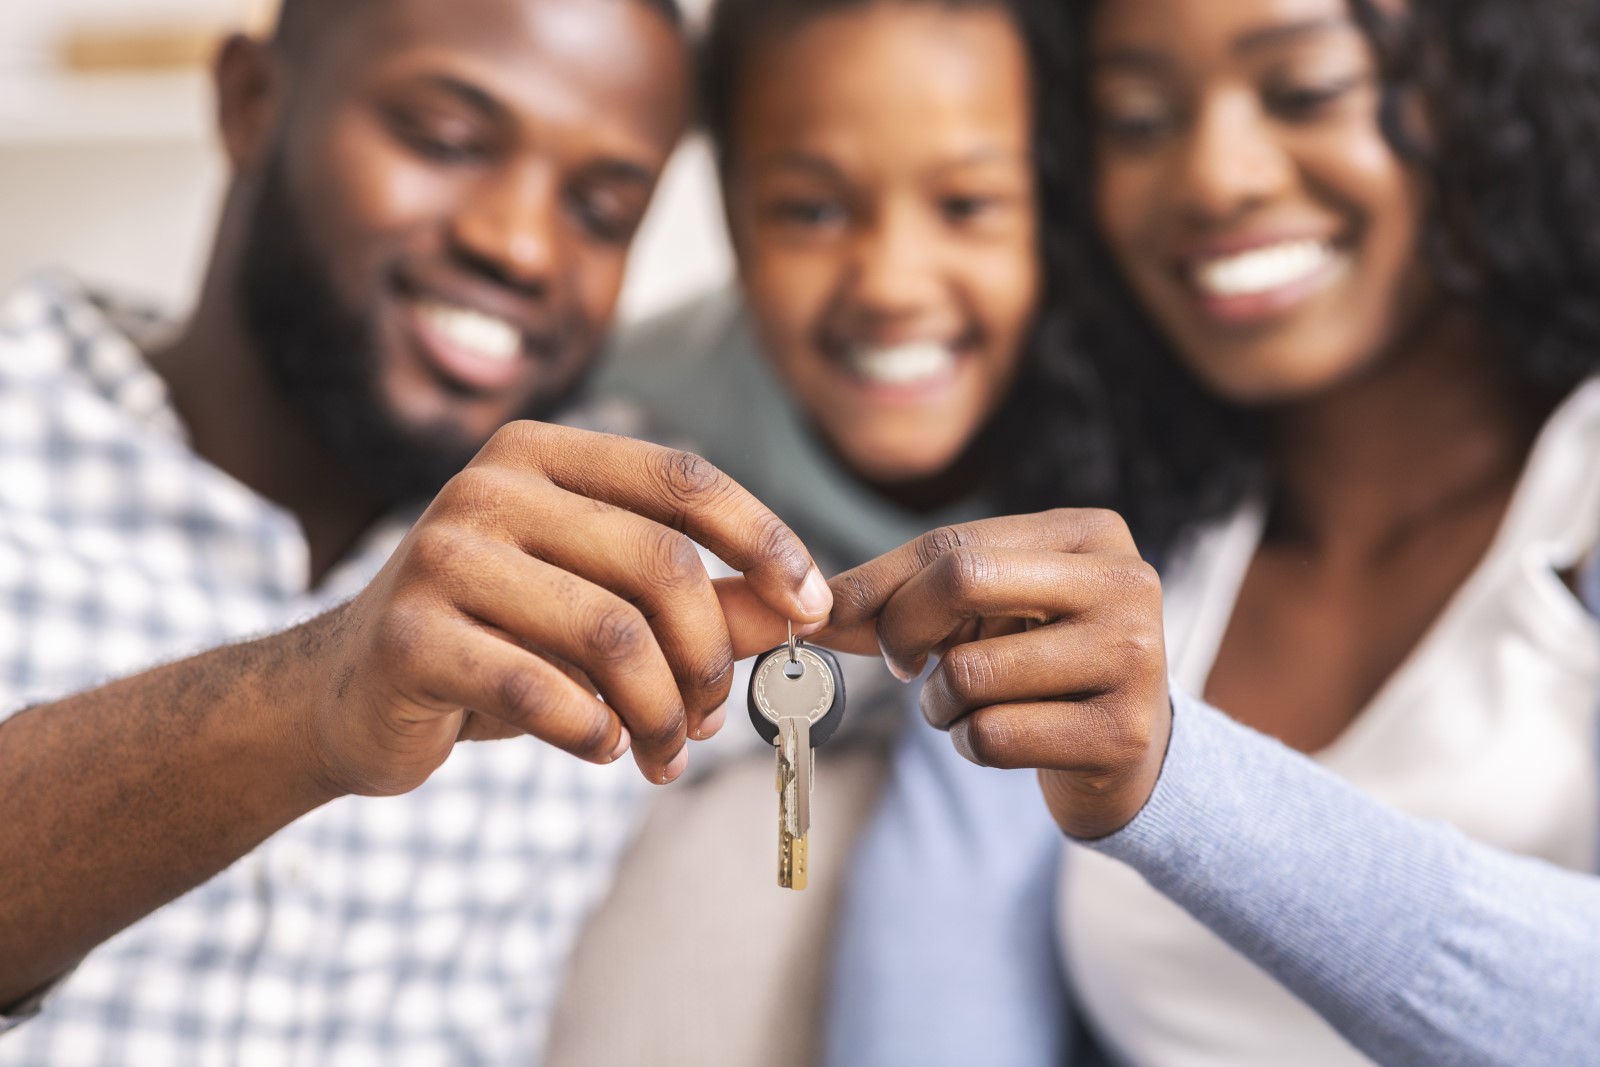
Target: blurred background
[109,166]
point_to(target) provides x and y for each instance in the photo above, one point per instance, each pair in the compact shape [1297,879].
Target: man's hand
[1049,631]
[557,566]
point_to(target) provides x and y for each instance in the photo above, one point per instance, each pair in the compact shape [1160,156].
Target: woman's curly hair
[1512,95]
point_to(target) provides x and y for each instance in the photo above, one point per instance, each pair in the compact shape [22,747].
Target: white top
[1490,724]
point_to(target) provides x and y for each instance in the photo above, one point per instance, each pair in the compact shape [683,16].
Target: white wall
[117,178]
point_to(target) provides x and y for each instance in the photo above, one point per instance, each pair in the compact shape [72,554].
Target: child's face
[1248,194]
[881,200]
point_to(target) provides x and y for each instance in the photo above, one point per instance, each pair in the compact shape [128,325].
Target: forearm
[119,799]
[1417,944]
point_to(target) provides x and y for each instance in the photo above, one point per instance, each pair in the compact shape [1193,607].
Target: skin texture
[881,191]
[1396,439]
[556,565]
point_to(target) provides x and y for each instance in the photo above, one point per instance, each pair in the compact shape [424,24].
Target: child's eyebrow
[792,160]
[826,168]
[984,156]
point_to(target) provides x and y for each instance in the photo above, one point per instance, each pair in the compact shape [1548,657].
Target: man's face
[442,217]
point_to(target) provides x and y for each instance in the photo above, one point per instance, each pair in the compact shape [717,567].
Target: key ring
[792,643]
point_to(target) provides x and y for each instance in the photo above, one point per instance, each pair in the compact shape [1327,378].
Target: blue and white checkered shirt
[424,929]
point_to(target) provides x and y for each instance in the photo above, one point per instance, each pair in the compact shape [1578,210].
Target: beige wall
[117,179]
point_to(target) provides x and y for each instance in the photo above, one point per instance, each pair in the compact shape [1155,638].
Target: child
[1338,263]
[882,370]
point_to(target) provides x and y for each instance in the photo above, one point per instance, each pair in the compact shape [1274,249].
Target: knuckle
[1142,647]
[614,635]
[594,740]
[520,437]
[1124,735]
[473,492]
[689,477]
[402,636]
[520,694]
[1090,529]
[853,596]
[968,676]
[1133,579]
[669,558]
[713,673]
[992,739]
[666,735]
[965,572]
[1102,524]
[935,543]
[432,546]
[775,545]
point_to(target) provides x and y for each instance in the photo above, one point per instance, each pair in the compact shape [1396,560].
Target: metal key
[796,703]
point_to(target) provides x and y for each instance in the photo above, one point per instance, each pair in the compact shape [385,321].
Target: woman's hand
[1048,629]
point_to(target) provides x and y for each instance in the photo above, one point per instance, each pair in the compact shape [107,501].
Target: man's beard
[322,358]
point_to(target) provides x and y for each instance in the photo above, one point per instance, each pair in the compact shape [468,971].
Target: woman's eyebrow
[1288,33]
[1131,58]
[1143,60]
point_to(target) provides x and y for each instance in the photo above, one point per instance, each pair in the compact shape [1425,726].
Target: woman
[1339,268]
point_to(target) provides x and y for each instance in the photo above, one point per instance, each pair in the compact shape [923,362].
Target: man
[422,240]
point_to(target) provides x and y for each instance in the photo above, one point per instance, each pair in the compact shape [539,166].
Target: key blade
[791,848]
[794,737]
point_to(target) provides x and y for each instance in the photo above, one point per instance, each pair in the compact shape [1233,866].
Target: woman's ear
[247,79]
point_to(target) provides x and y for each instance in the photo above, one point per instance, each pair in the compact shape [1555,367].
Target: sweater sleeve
[1419,945]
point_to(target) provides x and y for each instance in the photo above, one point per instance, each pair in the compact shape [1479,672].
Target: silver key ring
[792,642]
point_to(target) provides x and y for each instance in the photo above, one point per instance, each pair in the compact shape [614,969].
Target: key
[796,703]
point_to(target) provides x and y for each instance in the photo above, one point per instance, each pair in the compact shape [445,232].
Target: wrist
[292,680]
[1088,808]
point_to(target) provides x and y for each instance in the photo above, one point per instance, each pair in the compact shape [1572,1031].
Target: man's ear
[247,78]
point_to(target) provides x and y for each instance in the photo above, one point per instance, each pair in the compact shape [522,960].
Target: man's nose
[510,225]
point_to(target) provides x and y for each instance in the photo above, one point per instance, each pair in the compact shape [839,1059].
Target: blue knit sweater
[1418,944]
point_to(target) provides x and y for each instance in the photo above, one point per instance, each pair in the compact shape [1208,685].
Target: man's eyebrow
[473,96]
[614,168]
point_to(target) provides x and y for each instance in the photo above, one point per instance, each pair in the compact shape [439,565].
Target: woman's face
[1245,189]
[881,200]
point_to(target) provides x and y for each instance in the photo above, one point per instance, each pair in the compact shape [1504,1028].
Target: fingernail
[679,764]
[810,628]
[894,669]
[712,723]
[623,741]
[815,596]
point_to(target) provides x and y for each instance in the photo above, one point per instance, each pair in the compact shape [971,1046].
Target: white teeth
[907,364]
[1261,270]
[483,335]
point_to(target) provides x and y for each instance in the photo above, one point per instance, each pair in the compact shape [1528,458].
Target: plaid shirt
[424,929]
